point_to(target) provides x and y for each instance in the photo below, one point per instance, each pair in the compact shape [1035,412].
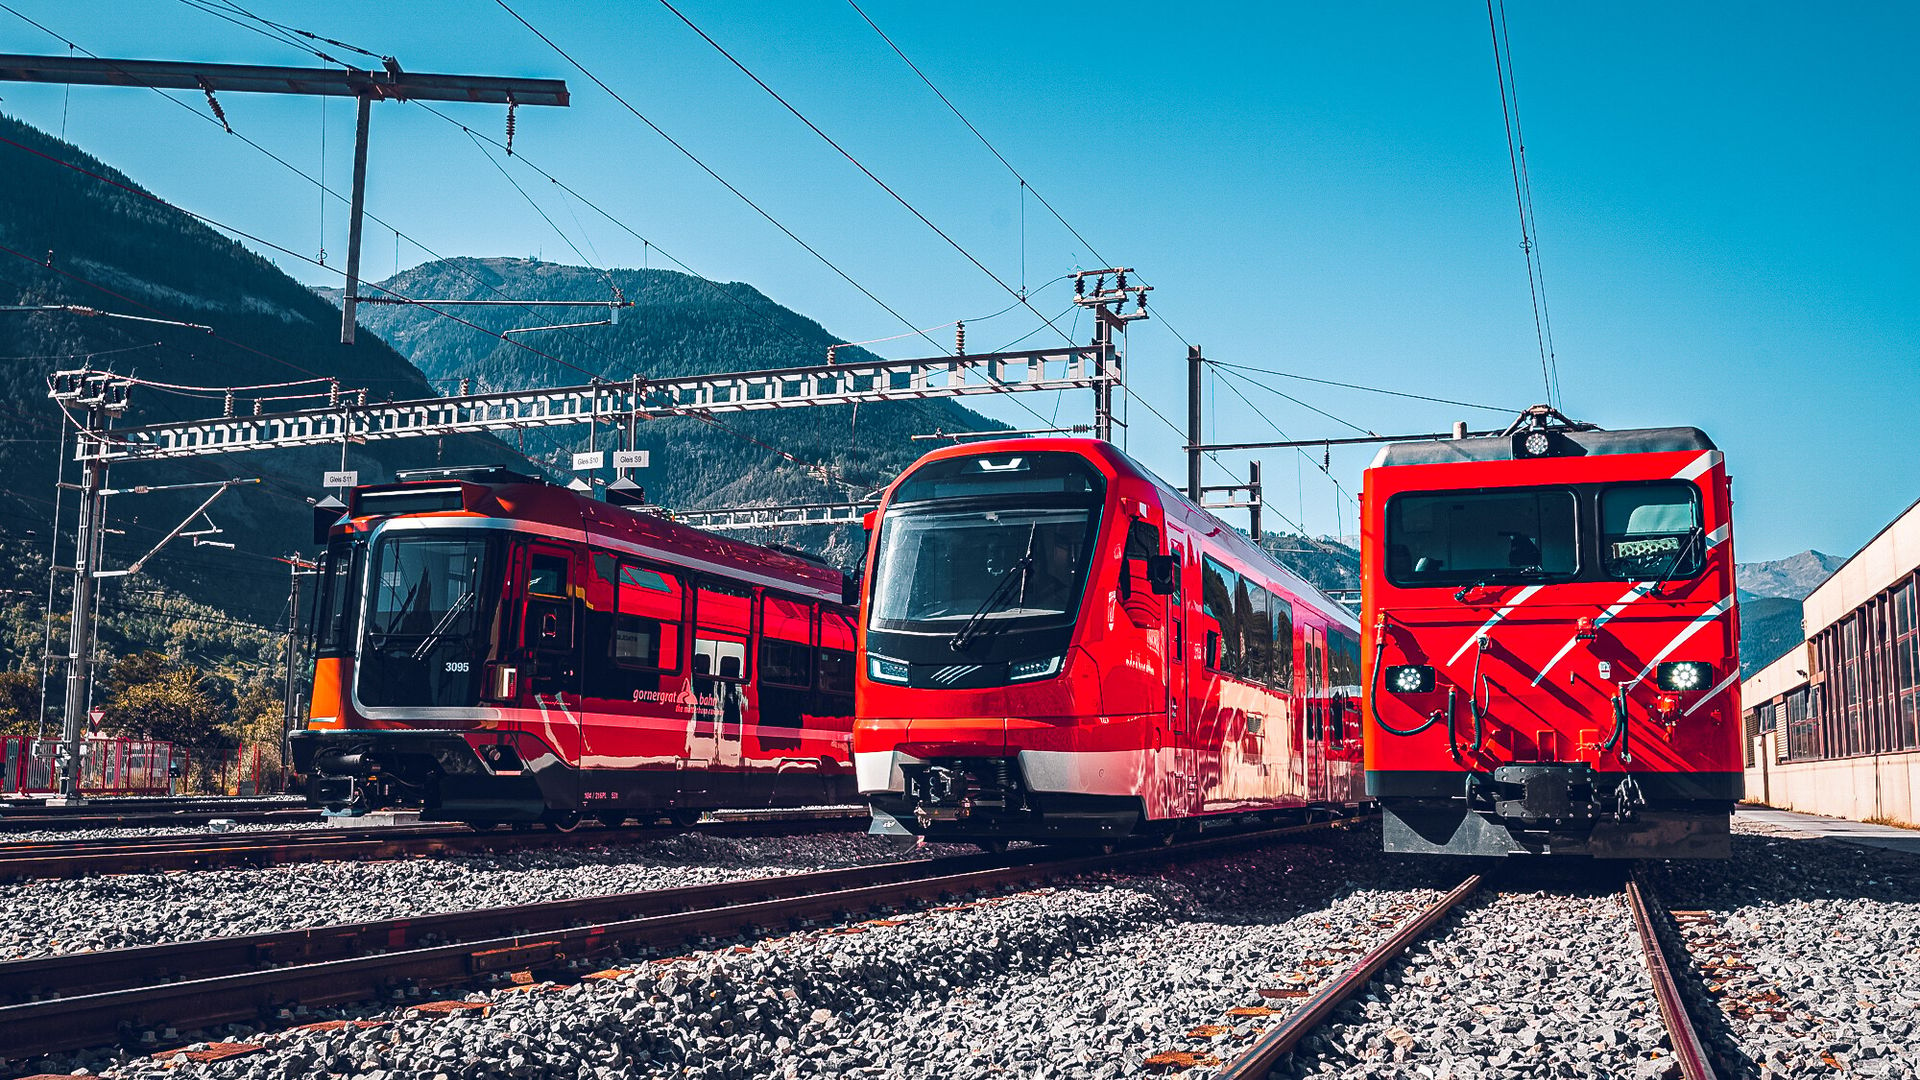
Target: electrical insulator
[960,338]
[830,351]
[511,106]
[465,385]
[258,406]
[1079,285]
[1120,281]
[227,409]
[333,394]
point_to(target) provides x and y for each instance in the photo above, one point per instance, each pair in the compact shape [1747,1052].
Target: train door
[549,642]
[1183,789]
[723,624]
[1313,748]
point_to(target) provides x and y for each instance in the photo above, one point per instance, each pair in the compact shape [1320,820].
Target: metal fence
[29,766]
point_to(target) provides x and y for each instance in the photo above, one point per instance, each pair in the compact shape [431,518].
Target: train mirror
[550,626]
[1160,574]
[867,519]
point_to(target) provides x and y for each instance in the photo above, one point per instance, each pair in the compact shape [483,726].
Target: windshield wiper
[440,628]
[1693,537]
[1015,575]
[1523,573]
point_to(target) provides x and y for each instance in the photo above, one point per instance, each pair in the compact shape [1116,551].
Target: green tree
[177,705]
[19,702]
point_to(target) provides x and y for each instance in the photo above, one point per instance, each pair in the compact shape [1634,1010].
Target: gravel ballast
[46,917]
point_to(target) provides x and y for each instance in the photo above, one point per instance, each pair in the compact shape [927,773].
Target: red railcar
[494,648]
[1552,642]
[1056,644]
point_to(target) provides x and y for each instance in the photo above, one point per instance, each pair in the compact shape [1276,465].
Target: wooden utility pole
[389,84]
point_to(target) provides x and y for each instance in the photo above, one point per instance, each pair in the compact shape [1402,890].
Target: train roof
[501,493]
[1582,444]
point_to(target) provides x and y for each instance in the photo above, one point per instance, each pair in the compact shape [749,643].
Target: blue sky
[1722,195]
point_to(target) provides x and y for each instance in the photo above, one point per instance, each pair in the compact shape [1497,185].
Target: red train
[1057,645]
[492,648]
[1552,642]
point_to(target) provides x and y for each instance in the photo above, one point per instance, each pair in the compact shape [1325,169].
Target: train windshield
[1489,537]
[429,621]
[1651,531]
[975,545]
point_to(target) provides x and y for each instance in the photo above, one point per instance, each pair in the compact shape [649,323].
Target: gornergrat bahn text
[1552,642]
[492,648]
[1056,645]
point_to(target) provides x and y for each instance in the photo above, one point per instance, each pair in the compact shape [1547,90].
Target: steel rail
[127,1015]
[1260,1058]
[11,823]
[75,858]
[1695,1064]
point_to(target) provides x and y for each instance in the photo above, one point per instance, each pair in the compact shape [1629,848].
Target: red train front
[1552,643]
[493,648]
[1057,645]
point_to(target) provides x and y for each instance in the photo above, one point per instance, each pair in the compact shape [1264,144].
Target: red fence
[143,767]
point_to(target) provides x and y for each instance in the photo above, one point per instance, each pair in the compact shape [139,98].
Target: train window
[1218,586]
[1257,625]
[1481,537]
[722,618]
[786,645]
[647,613]
[1651,531]
[334,613]
[429,621]
[836,653]
[547,575]
[1282,643]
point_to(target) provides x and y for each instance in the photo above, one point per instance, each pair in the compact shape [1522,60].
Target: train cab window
[1482,537]
[786,643]
[722,619]
[547,575]
[1143,542]
[335,613]
[836,653]
[1218,587]
[646,622]
[1651,531]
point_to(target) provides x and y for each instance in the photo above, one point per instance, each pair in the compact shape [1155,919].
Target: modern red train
[1552,642]
[492,648]
[1056,645]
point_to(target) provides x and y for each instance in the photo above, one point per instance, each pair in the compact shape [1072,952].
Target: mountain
[1793,577]
[1325,562]
[75,231]
[1770,596]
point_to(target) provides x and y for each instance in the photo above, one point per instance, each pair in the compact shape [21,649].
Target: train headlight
[1537,443]
[1684,675]
[1410,678]
[1022,670]
[887,670]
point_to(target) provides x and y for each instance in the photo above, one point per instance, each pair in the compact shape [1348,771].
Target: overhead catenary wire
[1369,389]
[1516,158]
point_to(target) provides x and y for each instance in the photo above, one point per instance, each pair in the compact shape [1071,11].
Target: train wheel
[612,820]
[992,847]
[483,826]
[564,821]
[685,816]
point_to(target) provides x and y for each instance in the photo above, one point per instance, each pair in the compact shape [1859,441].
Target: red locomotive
[1057,645]
[1552,642]
[492,648]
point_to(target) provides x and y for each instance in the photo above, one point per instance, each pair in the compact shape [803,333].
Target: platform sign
[589,459]
[631,459]
[345,478]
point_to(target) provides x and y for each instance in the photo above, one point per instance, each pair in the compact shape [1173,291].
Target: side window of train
[723,618]
[647,618]
[1256,624]
[786,643]
[1217,587]
[836,653]
[1283,644]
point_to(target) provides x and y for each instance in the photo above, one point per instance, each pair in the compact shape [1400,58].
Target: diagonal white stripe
[1518,599]
[1715,692]
[1718,609]
[1698,465]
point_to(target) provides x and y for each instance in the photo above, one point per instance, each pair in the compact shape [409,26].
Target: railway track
[134,996]
[123,855]
[149,813]
[1269,1049]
